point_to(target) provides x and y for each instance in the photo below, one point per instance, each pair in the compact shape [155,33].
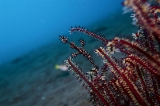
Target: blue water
[28,24]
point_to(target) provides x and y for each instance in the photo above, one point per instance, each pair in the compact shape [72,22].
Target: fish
[61,67]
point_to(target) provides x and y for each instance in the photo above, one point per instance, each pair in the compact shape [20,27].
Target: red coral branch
[136,77]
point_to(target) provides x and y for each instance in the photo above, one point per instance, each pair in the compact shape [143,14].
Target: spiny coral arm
[135,47]
[77,71]
[148,87]
[123,88]
[139,74]
[138,78]
[123,79]
[154,70]
[109,93]
[142,10]
[80,50]
[87,32]
[156,87]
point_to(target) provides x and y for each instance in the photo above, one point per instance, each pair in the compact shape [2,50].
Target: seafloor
[31,80]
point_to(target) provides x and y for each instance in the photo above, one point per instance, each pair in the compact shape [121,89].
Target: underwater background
[30,47]
[28,24]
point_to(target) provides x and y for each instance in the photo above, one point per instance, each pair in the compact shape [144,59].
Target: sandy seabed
[31,80]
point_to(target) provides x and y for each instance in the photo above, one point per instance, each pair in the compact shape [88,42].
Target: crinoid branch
[80,50]
[146,14]
[86,31]
[135,76]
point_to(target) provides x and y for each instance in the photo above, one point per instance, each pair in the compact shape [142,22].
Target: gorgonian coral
[136,76]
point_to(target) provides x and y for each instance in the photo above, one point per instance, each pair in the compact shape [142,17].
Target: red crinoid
[136,77]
